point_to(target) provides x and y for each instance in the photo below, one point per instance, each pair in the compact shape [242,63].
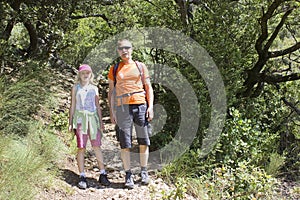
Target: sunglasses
[121,48]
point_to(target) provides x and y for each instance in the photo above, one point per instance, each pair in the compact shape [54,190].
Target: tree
[261,73]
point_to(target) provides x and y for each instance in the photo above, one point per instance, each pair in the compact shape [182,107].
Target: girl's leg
[99,156]
[81,145]
[97,149]
[103,176]
[80,160]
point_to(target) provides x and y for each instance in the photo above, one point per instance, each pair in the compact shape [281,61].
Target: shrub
[244,140]
[243,182]
[27,164]
[20,101]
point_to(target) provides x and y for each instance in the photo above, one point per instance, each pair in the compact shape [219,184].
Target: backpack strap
[115,73]
[138,65]
[141,70]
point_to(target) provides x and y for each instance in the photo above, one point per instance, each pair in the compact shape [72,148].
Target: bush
[243,182]
[244,140]
[27,164]
[20,100]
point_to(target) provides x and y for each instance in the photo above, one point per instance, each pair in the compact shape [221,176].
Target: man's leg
[125,156]
[144,155]
[143,140]
[124,120]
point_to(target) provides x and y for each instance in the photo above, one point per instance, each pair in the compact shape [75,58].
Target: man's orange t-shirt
[129,81]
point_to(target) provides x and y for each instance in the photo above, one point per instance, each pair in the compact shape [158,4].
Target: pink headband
[84,67]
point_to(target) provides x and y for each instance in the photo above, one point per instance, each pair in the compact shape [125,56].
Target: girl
[86,118]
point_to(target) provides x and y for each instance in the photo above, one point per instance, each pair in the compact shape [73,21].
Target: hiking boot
[103,180]
[145,178]
[129,180]
[82,184]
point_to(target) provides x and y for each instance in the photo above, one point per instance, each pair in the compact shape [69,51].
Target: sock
[82,174]
[143,168]
[102,171]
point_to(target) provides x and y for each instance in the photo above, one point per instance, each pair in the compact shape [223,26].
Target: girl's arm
[99,111]
[72,108]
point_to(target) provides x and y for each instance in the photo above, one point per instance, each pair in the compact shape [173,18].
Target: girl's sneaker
[82,184]
[103,180]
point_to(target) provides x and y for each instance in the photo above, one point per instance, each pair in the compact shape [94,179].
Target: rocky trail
[66,183]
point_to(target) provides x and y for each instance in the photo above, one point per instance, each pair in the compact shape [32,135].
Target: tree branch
[33,38]
[183,11]
[88,16]
[7,32]
[277,29]
[254,75]
[289,50]
[264,25]
[15,5]
[93,15]
[291,105]
[279,78]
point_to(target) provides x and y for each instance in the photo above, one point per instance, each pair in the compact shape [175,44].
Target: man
[130,89]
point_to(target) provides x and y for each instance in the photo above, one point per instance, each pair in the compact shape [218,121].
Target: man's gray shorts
[127,116]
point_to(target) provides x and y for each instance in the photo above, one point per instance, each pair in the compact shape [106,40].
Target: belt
[128,95]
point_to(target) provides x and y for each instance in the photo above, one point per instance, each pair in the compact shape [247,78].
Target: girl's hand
[70,128]
[102,127]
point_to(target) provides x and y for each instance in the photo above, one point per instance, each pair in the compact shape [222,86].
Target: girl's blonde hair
[91,79]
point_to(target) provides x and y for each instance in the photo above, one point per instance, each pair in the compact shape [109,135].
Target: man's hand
[113,119]
[150,114]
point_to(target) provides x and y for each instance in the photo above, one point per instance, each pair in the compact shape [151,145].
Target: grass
[29,163]
[276,162]
[29,151]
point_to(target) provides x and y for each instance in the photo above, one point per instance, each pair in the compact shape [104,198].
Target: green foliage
[59,120]
[59,123]
[244,140]
[21,100]
[243,182]
[178,193]
[28,164]
[167,99]
[276,162]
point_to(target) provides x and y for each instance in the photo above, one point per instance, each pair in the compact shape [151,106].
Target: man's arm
[149,98]
[111,101]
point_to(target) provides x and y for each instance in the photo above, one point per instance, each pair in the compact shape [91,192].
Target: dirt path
[66,185]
